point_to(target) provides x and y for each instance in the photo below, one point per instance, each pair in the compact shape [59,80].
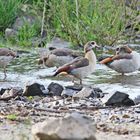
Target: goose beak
[98,47]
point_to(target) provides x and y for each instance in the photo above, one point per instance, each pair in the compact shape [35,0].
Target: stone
[71,127]
[120,99]
[85,92]
[10,33]
[2,90]
[11,93]
[97,93]
[69,91]
[34,90]
[58,43]
[75,87]
[55,89]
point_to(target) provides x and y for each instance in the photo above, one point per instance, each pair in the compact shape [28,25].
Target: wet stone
[33,90]
[55,89]
[120,99]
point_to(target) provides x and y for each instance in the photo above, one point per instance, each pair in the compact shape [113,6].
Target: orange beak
[106,60]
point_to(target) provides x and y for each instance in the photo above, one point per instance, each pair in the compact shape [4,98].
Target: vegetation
[11,117]
[80,21]
[74,20]
[8,12]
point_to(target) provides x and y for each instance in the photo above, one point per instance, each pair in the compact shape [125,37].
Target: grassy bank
[74,20]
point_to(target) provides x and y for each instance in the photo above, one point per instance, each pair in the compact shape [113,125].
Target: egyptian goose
[6,56]
[58,57]
[125,60]
[81,67]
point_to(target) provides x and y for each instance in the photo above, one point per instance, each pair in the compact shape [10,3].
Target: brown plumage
[58,57]
[124,61]
[81,67]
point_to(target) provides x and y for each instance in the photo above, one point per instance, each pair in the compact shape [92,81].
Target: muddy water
[24,70]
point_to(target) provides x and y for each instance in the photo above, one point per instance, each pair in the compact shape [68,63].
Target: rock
[11,93]
[24,19]
[119,99]
[58,43]
[97,93]
[85,92]
[69,91]
[71,127]
[33,90]
[3,90]
[10,33]
[55,89]
[75,87]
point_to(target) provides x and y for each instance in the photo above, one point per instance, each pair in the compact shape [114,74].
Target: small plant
[30,98]
[11,117]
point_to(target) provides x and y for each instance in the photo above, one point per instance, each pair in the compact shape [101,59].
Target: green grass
[77,21]
[8,12]
[26,33]
[81,20]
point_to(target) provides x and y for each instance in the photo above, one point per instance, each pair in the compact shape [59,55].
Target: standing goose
[58,57]
[125,60]
[6,56]
[81,67]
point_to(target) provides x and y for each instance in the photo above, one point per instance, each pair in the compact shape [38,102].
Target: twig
[48,110]
[90,108]
[43,18]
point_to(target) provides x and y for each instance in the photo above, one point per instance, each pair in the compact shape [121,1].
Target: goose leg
[122,74]
[5,75]
[44,66]
[80,81]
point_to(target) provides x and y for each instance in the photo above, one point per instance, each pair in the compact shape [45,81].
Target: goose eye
[117,49]
[92,43]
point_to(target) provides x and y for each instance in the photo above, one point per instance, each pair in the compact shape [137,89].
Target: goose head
[90,45]
[123,50]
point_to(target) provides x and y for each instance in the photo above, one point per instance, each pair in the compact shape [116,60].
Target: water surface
[25,70]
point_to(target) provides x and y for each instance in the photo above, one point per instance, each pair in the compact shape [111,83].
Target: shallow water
[25,70]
